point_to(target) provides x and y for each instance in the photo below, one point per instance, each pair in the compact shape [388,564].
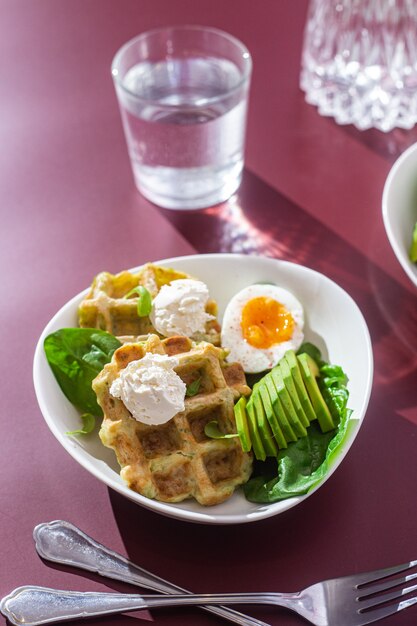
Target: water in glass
[184,120]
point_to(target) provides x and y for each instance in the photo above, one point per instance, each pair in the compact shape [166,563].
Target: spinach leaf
[193,388]
[311,350]
[302,465]
[144,305]
[89,422]
[76,356]
[213,431]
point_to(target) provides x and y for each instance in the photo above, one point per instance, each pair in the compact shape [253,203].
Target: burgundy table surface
[311,194]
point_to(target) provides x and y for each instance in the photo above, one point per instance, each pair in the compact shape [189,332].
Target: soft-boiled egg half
[260,324]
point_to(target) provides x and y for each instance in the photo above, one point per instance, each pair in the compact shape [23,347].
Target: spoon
[62,542]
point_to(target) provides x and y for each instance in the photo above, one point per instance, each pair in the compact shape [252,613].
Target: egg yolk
[266,322]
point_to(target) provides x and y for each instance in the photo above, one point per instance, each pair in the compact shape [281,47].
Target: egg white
[254,360]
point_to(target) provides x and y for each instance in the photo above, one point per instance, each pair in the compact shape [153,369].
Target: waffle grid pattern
[107,307]
[176,460]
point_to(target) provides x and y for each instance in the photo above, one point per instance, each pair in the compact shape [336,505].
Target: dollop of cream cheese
[150,389]
[180,308]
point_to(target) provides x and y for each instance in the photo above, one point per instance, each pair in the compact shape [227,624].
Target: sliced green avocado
[264,428]
[278,409]
[290,387]
[305,401]
[287,404]
[308,371]
[242,425]
[257,444]
[270,415]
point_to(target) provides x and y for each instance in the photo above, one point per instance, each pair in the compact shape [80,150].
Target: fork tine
[384,586]
[373,616]
[369,577]
[385,597]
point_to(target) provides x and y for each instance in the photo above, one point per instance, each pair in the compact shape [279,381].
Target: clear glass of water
[359,62]
[183,94]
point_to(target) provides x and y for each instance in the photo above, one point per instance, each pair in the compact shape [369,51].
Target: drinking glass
[183,94]
[359,61]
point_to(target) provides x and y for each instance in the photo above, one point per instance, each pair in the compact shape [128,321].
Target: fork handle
[62,542]
[33,606]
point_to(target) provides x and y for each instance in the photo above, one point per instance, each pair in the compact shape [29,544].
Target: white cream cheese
[150,389]
[179,308]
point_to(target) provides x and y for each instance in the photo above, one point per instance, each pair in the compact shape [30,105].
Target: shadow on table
[260,220]
[215,559]
[388,145]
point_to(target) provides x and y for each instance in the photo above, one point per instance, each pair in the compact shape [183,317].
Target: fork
[349,601]
[62,542]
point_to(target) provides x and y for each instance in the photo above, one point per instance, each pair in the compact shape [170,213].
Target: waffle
[106,306]
[176,460]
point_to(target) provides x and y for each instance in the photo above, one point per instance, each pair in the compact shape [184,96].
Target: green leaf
[311,350]
[144,305]
[211,430]
[89,422]
[332,383]
[76,356]
[193,388]
[301,466]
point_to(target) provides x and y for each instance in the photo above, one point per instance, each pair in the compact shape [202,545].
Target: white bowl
[333,322]
[399,208]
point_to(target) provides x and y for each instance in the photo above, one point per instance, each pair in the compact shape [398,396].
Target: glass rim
[245,54]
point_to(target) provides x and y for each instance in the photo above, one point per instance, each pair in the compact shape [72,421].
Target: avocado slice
[278,410]
[290,387]
[264,428]
[308,371]
[305,401]
[242,425]
[257,444]
[271,417]
[287,404]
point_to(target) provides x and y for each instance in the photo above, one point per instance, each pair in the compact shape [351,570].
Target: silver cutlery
[337,602]
[62,542]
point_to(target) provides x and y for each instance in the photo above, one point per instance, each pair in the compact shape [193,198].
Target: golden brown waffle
[106,306]
[174,461]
